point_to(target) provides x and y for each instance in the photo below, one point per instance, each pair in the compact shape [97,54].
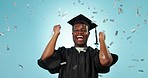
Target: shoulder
[64,49]
[92,49]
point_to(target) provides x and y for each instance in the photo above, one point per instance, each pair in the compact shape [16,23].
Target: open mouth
[80,38]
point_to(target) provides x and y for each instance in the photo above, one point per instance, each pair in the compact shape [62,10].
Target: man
[80,61]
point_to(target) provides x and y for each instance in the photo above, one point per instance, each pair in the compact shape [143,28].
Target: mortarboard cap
[84,20]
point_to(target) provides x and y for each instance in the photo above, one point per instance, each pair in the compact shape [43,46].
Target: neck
[80,45]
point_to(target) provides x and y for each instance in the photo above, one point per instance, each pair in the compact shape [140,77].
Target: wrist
[56,34]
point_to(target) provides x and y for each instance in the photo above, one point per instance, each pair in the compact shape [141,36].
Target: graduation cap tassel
[96,37]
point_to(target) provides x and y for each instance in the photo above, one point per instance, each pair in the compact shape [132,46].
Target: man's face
[80,34]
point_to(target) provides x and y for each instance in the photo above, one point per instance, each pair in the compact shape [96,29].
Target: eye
[75,30]
[84,30]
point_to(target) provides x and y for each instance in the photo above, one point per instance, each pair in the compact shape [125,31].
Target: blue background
[26,28]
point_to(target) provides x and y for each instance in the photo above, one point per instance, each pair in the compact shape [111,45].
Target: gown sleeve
[52,64]
[103,69]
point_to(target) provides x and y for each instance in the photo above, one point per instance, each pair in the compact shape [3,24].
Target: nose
[79,32]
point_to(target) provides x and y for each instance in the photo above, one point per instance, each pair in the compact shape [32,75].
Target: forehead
[79,25]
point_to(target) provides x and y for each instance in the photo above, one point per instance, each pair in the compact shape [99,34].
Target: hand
[56,29]
[102,36]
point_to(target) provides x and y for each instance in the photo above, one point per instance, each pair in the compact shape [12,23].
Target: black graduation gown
[69,63]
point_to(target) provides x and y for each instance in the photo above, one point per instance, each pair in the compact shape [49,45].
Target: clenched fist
[102,36]
[56,29]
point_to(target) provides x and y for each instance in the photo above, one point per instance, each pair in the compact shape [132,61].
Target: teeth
[79,36]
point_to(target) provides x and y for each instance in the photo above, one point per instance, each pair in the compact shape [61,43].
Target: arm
[49,50]
[105,57]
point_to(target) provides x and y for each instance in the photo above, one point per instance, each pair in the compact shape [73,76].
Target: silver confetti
[129,37]
[14,4]
[1,34]
[116,33]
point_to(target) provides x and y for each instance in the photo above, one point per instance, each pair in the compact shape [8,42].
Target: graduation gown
[69,63]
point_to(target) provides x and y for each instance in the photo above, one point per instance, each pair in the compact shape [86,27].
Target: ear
[88,32]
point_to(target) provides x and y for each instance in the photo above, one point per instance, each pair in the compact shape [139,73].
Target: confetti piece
[92,16]
[15,28]
[133,30]
[132,66]
[116,33]
[142,59]
[64,15]
[21,66]
[129,37]
[123,30]
[111,43]
[75,67]
[8,28]
[138,11]
[6,17]
[79,1]
[8,47]
[14,4]
[120,10]
[141,70]
[28,6]
[82,3]
[135,60]
[105,20]
[74,3]
[145,21]
[115,2]
[112,20]
[1,34]
[63,63]
[95,12]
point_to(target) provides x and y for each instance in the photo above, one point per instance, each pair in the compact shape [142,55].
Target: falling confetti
[8,28]
[116,33]
[123,30]
[138,12]
[145,21]
[6,17]
[105,20]
[28,6]
[142,59]
[115,2]
[133,30]
[79,1]
[64,15]
[135,60]
[141,70]
[111,43]
[82,3]
[74,3]
[95,12]
[120,10]
[59,12]
[132,66]
[15,28]
[138,26]
[129,37]
[14,4]
[21,66]
[92,16]
[1,34]
[112,20]
[8,47]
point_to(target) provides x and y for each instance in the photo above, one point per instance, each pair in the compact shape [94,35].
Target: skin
[79,30]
